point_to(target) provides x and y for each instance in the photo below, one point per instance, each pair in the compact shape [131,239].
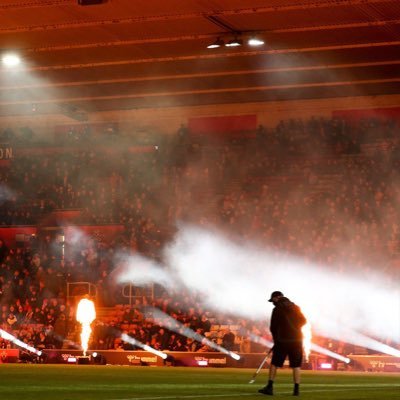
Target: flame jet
[85,314]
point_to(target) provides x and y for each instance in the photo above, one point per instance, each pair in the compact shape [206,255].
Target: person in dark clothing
[228,340]
[286,323]
[60,331]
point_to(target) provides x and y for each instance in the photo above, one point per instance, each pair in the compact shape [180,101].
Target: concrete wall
[168,120]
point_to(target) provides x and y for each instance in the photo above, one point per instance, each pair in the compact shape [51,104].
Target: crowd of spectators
[322,189]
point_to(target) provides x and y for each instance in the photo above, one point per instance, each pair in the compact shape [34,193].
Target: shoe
[296,392]
[266,390]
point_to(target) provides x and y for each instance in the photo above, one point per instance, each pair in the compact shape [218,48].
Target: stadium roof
[126,54]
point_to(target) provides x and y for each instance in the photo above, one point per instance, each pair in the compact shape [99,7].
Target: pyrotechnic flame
[307,336]
[85,314]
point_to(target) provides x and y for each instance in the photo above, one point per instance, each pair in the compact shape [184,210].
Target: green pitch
[73,382]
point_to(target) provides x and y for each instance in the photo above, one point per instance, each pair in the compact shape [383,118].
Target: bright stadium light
[235,356]
[214,45]
[234,42]
[5,335]
[255,41]
[172,324]
[128,339]
[154,351]
[10,60]
[328,328]
[322,350]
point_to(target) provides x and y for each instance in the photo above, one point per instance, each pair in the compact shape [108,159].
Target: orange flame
[307,336]
[85,314]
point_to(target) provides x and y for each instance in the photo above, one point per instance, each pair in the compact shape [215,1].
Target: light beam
[7,336]
[314,347]
[236,278]
[134,342]
[260,340]
[175,326]
[322,350]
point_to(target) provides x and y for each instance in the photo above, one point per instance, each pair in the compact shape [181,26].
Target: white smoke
[141,271]
[238,278]
[75,236]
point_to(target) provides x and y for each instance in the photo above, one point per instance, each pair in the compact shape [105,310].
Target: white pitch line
[189,396]
[340,388]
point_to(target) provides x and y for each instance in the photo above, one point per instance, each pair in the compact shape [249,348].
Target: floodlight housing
[234,42]
[218,43]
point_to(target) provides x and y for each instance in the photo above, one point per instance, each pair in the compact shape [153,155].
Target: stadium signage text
[221,361]
[6,153]
[144,359]
[212,360]
[377,363]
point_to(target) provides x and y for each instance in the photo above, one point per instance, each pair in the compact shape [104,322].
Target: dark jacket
[286,321]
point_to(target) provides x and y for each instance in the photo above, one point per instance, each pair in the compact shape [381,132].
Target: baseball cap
[276,293]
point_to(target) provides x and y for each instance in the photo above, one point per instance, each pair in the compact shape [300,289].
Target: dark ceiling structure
[125,54]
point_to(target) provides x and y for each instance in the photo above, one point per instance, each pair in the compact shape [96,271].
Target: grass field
[73,382]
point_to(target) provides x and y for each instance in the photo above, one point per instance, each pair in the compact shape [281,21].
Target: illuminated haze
[174,325]
[238,279]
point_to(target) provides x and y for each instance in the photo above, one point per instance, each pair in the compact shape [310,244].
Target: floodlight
[234,355]
[218,43]
[10,60]
[255,41]
[234,42]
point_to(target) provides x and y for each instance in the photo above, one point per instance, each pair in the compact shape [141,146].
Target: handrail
[136,292]
[87,288]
